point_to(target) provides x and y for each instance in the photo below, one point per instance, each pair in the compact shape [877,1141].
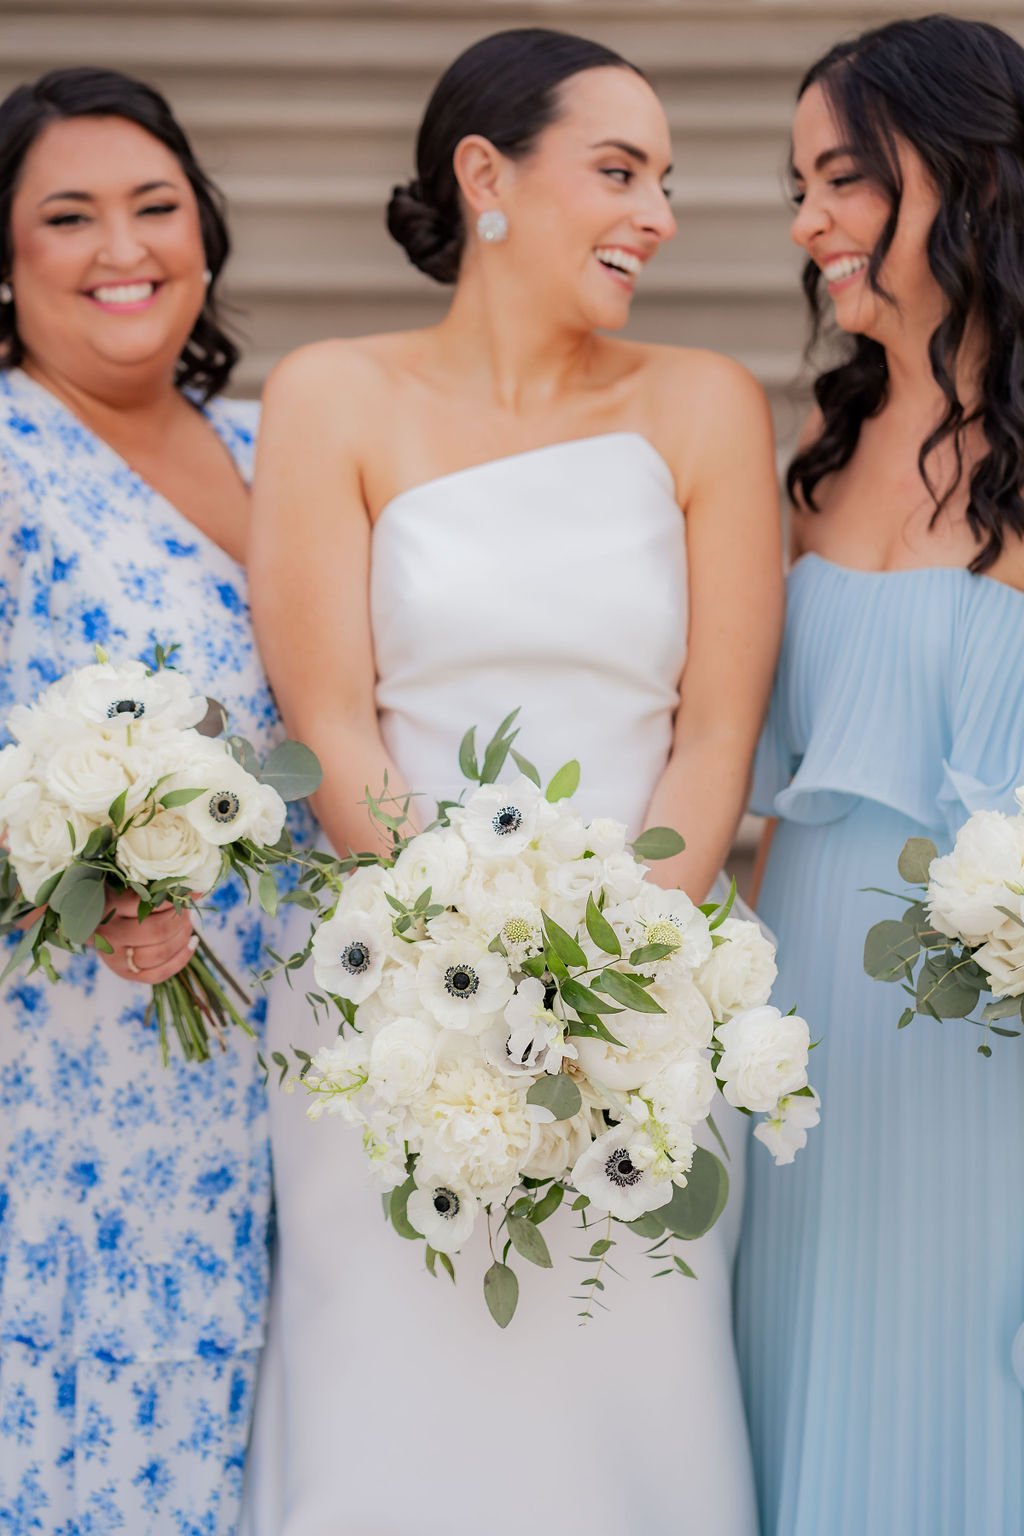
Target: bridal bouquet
[963,930]
[526,1018]
[108,785]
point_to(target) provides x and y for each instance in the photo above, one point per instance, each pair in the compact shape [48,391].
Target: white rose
[40,845]
[19,790]
[740,973]
[764,1057]
[168,848]
[966,887]
[684,1091]
[784,1132]
[403,1059]
[622,877]
[564,840]
[436,860]
[268,816]
[606,838]
[90,772]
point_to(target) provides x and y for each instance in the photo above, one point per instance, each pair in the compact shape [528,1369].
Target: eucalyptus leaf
[565,782]
[565,946]
[627,992]
[24,947]
[1001,1008]
[601,930]
[558,1093]
[73,876]
[397,1210]
[694,1210]
[82,910]
[947,993]
[649,1225]
[116,808]
[658,843]
[527,1240]
[98,841]
[547,1205]
[268,894]
[890,949]
[915,860]
[906,1017]
[501,1292]
[293,770]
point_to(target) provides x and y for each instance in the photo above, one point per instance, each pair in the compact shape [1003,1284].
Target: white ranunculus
[168,848]
[784,1131]
[40,845]
[19,790]
[475,1130]
[764,1057]
[558,1145]
[350,949]
[501,820]
[1002,960]
[613,1182]
[606,838]
[119,695]
[740,973]
[966,887]
[463,984]
[442,1213]
[403,1059]
[684,1091]
[436,860]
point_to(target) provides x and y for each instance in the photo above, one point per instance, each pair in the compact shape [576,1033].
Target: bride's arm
[309,568]
[736,608]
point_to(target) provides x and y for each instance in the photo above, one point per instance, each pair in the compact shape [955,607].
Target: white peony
[740,973]
[463,984]
[19,790]
[168,848]
[475,1128]
[501,820]
[436,860]
[1002,959]
[442,1212]
[558,1144]
[350,949]
[607,1174]
[40,844]
[966,887]
[764,1057]
[403,1059]
[686,1005]
[784,1131]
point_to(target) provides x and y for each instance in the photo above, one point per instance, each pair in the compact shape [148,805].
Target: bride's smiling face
[588,206]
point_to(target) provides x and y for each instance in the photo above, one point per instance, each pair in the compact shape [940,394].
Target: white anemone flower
[463,984]
[502,820]
[443,1213]
[118,696]
[531,1040]
[349,951]
[232,802]
[612,1181]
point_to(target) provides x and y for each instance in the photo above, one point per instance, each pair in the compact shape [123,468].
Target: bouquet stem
[197,1006]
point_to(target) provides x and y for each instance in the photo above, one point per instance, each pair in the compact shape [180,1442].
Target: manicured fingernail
[193,942]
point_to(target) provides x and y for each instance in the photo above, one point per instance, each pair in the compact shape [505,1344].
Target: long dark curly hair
[954,91]
[209,354]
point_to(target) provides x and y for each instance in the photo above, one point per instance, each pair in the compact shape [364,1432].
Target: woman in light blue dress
[881,1278]
[134,1199]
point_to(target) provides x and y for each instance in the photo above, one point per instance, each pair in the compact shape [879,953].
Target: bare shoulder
[357,370]
[709,382]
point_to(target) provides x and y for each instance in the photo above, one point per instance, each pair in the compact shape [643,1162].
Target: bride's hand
[149,951]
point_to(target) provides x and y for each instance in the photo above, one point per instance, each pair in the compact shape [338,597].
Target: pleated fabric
[881,1277]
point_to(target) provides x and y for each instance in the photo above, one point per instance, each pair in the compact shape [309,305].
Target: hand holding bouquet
[109,788]
[526,1017]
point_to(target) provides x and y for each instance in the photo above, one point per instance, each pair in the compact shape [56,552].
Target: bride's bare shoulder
[707,380]
[358,369]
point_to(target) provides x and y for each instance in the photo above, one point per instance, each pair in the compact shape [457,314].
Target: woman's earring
[6,293]
[207,277]
[968,221]
[492,226]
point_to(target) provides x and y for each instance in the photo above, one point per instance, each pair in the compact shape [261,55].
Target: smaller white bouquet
[963,927]
[527,1019]
[107,786]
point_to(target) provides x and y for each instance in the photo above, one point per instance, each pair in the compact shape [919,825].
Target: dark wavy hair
[209,354]
[954,91]
[504,88]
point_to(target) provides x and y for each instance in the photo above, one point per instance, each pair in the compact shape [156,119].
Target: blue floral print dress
[134,1199]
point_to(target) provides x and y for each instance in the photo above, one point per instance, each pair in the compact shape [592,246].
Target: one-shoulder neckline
[910,570]
[507,459]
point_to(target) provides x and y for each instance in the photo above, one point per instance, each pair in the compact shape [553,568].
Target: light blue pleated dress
[881,1277]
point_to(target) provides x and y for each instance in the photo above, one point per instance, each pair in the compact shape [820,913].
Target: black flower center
[133,707]
[224,805]
[621,1171]
[446,1203]
[461,981]
[355,957]
[508,819]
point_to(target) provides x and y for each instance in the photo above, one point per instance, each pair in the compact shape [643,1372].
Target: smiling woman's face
[108,261]
[840,217]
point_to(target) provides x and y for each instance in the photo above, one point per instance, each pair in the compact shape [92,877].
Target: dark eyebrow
[87,197]
[639,155]
[841,152]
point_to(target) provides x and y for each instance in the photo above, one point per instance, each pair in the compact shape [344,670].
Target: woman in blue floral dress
[134,1199]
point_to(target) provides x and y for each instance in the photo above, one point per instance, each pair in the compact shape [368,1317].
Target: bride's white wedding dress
[390,1403]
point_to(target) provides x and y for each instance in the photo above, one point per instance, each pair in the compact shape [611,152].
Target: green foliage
[601,930]
[627,992]
[658,843]
[915,860]
[293,770]
[528,1241]
[564,783]
[558,1093]
[694,1210]
[890,951]
[501,1292]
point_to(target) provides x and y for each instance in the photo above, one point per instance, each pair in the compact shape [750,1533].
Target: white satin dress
[391,1404]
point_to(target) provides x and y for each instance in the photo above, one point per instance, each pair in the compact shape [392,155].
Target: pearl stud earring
[492,226]
[6,293]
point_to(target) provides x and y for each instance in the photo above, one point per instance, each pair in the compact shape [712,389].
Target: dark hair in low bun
[209,354]
[504,88]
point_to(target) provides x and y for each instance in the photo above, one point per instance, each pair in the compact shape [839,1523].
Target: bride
[512,508]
